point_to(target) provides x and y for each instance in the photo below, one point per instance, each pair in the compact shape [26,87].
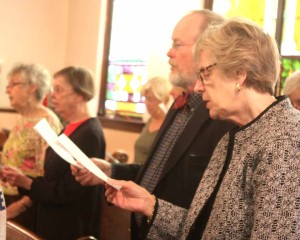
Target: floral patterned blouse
[24,149]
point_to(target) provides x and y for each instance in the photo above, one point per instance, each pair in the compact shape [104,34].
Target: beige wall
[120,140]
[56,33]
[32,31]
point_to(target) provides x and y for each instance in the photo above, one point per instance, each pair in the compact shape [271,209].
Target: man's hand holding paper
[86,178]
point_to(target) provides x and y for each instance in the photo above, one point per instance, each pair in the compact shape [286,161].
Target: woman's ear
[241,75]
[33,88]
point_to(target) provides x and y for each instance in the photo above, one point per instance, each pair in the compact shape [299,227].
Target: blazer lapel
[183,142]
[168,120]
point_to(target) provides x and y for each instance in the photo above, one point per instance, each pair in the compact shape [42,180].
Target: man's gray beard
[179,80]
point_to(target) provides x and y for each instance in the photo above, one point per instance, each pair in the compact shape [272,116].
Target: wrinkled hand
[16,208]
[1,175]
[131,197]
[86,178]
[15,177]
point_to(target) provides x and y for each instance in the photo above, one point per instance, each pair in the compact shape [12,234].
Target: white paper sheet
[68,150]
[45,130]
[81,157]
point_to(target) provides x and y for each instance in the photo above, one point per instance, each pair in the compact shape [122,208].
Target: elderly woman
[157,93]
[27,86]
[67,210]
[250,189]
[292,89]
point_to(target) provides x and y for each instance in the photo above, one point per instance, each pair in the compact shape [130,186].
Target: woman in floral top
[25,149]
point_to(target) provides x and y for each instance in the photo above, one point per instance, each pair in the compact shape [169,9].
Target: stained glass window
[125,79]
[290,44]
[127,68]
[288,66]
[263,12]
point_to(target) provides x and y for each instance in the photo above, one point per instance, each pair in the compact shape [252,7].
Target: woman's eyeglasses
[203,73]
[13,84]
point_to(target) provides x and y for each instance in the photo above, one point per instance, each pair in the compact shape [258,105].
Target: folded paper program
[68,150]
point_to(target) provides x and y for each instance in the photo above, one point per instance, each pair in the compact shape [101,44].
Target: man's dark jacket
[185,165]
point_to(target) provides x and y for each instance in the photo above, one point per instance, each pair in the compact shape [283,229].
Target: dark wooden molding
[8,110]
[291,56]
[119,124]
[279,23]
[208,4]
[122,125]
[104,67]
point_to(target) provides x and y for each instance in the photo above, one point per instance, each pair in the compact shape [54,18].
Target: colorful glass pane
[123,95]
[263,12]
[290,44]
[288,66]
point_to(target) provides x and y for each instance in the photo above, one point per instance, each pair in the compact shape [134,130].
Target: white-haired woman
[28,84]
[157,94]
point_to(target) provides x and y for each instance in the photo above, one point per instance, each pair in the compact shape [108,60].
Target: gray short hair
[80,79]
[160,88]
[239,43]
[33,74]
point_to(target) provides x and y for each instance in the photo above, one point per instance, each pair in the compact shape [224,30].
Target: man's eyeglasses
[178,45]
[205,72]
[13,84]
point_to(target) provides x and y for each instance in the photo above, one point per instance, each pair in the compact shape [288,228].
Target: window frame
[134,125]
[117,124]
[208,4]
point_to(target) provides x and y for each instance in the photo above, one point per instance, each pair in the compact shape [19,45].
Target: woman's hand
[16,208]
[131,197]
[16,178]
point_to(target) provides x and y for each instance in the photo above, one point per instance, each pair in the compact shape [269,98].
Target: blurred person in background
[67,210]
[292,89]
[28,84]
[176,91]
[157,95]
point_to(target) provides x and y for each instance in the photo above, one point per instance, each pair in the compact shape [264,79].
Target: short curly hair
[239,43]
[80,79]
[159,86]
[33,74]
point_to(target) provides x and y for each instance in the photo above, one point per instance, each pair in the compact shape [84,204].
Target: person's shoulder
[48,114]
[92,126]
[53,119]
